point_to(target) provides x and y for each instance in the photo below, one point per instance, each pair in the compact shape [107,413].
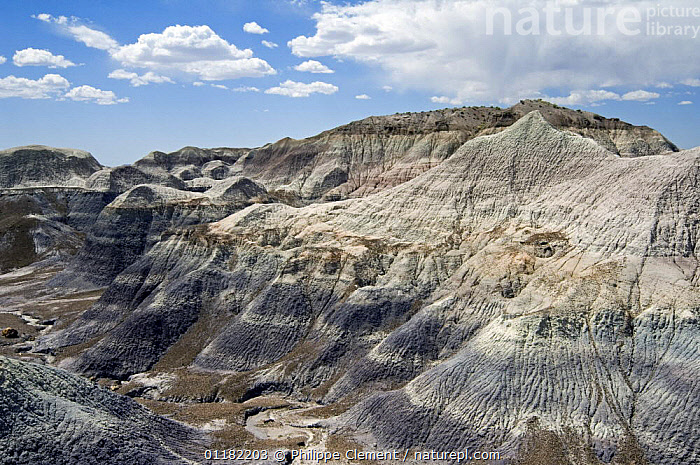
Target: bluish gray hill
[50,417]
[509,285]
[379,152]
[130,225]
[41,166]
[354,160]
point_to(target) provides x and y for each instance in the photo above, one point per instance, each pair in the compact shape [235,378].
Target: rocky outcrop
[384,151]
[190,157]
[480,274]
[131,224]
[45,223]
[38,165]
[512,283]
[50,416]
[123,178]
[190,163]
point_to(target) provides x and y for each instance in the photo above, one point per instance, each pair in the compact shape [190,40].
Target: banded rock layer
[38,165]
[381,152]
[511,283]
[50,416]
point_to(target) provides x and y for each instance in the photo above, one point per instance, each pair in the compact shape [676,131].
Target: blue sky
[124,79]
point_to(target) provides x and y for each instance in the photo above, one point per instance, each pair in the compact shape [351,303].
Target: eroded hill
[498,290]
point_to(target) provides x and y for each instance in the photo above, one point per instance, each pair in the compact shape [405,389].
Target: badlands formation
[522,281]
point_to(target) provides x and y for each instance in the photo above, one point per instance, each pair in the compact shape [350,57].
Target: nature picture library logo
[589,17]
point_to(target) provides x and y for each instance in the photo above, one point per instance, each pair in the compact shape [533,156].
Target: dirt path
[278,423]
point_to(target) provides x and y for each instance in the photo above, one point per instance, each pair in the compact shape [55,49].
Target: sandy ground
[31,307]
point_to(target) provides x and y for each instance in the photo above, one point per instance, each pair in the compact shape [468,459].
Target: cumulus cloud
[48,86]
[363,97]
[197,83]
[269,44]
[2,59]
[691,82]
[54,86]
[75,28]
[411,39]
[190,50]
[387,88]
[39,57]
[299,89]
[194,50]
[640,96]
[93,95]
[219,86]
[254,28]
[313,66]
[137,80]
[685,102]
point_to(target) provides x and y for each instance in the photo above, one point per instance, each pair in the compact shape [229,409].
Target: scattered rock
[10,333]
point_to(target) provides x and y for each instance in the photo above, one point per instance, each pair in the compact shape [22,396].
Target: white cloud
[444,99]
[585,97]
[54,86]
[137,80]
[300,89]
[45,17]
[197,83]
[39,57]
[219,86]
[80,32]
[409,40]
[663,85]
[387,88]
[92,37]
[691,82]
[254,28]
[269,44]
[640,96]
[595,97]
[194,50]
[91,94]
[685,102]
[2,59]
[191,50]
[246,89]
[363,97]
[313,66]
[47,87]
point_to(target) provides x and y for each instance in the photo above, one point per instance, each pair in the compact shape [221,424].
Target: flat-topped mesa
[617,136]
[380,152]
[41,166]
